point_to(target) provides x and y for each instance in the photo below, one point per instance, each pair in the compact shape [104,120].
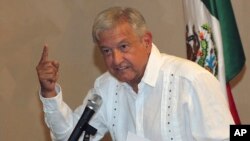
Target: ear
[147,40]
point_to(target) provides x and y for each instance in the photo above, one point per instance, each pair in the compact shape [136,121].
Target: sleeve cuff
[53,104]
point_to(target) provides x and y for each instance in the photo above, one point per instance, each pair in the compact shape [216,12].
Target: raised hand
[47,72]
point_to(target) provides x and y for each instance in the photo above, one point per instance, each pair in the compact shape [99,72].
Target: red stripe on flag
[232,106]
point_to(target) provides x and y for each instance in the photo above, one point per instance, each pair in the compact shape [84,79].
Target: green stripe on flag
[234,57]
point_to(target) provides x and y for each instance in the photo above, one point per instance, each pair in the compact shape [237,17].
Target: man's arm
[58,116]
[209,113]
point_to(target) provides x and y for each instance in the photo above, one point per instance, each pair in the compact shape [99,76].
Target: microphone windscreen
[94,102]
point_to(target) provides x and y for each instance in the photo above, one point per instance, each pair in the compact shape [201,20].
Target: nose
[117,57]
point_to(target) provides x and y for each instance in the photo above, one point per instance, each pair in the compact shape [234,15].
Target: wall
[26,25]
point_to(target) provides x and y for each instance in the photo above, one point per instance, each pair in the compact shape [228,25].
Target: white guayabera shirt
[177,101]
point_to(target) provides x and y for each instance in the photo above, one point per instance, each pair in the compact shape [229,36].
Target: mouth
[122,68]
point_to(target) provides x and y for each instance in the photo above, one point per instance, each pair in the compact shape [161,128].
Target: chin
[122,79]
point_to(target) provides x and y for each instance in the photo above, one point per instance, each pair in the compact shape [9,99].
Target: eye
[106,51]
[124,47]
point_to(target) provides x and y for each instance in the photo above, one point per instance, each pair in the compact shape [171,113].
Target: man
[146,95]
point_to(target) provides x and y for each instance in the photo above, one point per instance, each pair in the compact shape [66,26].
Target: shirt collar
[153,67]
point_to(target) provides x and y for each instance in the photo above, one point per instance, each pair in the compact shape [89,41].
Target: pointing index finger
[45,54]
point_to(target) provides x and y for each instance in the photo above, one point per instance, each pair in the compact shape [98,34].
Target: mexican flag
[213,41]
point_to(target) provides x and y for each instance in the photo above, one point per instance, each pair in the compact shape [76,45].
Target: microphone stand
[86,137]
[89,130]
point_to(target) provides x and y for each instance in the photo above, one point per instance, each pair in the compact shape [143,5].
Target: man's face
[125,54]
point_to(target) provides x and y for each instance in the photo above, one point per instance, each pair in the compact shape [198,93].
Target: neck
[135,88]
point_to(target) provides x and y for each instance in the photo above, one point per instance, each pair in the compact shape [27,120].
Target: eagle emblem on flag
[201,47]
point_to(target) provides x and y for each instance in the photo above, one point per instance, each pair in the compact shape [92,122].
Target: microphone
[92,106]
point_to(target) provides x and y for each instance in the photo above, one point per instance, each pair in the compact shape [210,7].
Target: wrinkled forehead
[120,33]
[118,27]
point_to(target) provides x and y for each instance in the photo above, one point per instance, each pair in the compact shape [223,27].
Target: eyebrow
[120,42]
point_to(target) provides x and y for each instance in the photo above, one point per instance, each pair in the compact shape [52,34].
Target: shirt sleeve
[209,112]
[61,119]
[58,116]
